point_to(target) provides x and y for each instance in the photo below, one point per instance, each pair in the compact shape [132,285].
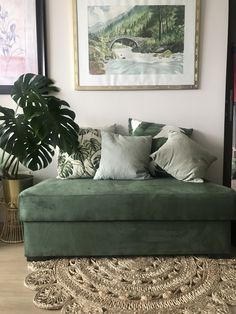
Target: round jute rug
[186,285]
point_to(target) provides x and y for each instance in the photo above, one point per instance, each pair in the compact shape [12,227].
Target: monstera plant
[40,123]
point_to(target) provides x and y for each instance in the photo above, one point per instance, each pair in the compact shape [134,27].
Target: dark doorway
[230,113]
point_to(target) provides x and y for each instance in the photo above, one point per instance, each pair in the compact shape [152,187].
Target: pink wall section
[10,66]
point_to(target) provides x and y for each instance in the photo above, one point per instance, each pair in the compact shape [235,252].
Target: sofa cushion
[124,157]
[183,158]
[117,200]
[159,132]
[84,162]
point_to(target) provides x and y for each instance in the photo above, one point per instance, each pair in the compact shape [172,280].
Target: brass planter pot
[13,229]
[13,187]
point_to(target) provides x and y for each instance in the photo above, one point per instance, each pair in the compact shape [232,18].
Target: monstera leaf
[46,123]
[82,153]
[95,145]
[13,132]
[65,167]
[29,93]
[58,121]
[38,154]
[18,139]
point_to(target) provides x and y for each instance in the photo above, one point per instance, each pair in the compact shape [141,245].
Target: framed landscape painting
[22,44]
[136,44]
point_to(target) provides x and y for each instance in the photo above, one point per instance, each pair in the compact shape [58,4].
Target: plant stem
[15,168]
[7,165]
[3,155]
[16,110]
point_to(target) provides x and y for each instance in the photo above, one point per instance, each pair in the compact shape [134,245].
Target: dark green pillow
[159,133]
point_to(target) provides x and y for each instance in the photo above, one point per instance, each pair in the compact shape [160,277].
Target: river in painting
[134,63]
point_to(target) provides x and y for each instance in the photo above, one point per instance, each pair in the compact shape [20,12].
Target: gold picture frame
[136,45]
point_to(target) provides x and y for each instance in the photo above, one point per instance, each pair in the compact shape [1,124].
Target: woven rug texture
[147,285]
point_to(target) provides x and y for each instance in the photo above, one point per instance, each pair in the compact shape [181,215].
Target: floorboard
[15,298]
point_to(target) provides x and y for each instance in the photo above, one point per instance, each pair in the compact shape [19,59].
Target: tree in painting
[143,39]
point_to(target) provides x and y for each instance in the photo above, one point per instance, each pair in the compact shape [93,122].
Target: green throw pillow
[159,132]
[124,157]
[85,162]
[183,158]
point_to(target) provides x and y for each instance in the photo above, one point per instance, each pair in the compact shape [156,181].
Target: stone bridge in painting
[125,40]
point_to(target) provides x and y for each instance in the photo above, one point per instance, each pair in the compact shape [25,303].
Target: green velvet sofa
[85,217]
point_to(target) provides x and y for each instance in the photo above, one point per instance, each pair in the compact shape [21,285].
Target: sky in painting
[101,14]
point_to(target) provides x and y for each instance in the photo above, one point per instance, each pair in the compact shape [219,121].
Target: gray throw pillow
[159,133]
[124,157]
[183,158]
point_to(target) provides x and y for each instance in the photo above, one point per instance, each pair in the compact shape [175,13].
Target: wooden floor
[14,297]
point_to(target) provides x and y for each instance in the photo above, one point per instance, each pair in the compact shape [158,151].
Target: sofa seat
[85,217]
[119,200]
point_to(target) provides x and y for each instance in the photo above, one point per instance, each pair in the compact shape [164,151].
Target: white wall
[202,109]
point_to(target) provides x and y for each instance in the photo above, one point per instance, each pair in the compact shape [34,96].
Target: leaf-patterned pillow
[85,162]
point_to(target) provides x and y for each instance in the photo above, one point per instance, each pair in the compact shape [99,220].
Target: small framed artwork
[22,40]
[136,44]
